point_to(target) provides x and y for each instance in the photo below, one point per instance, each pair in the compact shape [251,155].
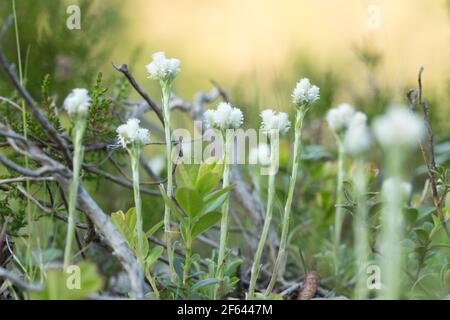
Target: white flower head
[357,137]
[224,117]
[339,118]
[260,154]
[399,127]
[304,93]
[77,102]
[131,132]
[162,68]
[391,185]
[271,120]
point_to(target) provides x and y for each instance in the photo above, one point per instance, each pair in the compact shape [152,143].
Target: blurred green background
[363,52]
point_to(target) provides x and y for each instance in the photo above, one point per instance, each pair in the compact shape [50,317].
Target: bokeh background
[364,52]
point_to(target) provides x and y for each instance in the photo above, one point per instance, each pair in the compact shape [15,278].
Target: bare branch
[124,70]
[430,158]
[84,201]
[31,104]
[17,282]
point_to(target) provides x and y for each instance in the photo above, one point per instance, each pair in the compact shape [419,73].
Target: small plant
[339,119]
[126,224]
[303,97]
[76,105]
[398,132]
[357,142]
[165,70]
[133,138]
[196,205]
[272,124]
[227,119]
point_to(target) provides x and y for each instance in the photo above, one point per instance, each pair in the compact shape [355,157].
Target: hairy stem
[79,127]
[271,195]
[166,91]
[227,139]
[187,261]
[360,229]
[134,154]
[339,214]
[287,208]
[392,228]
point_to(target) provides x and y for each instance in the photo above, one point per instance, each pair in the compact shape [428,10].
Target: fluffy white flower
[130,132]
[162,68]
[357,138]
[260,154]
[390,186]
[305,93]
[399,127]
[224,117]
[339,118]
[77,102]
[271,120]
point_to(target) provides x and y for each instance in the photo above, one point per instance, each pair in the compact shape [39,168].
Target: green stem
[79,127]
[227,139]
[30,215]
[166,87]
[287,208]
[135,153]
[187,262]
[271,195]
[392,228]
[339,214]
[152,283]
[360,229]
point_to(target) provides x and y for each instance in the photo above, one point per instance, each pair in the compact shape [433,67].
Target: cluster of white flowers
[271,120]
[77,102]
[399,127]
[260,154]
[339,118]
[391,185]
[224,117]
[131,132]
[357,137]
[162,68]
[305,93]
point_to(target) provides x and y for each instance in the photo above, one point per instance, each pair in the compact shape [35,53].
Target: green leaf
[190,201]
[172,205]
[178,266]
[130,218]
[78,283]
[206,183]
[154,255]
[210,165]
[144,247]
[204,223]
[216,198]
[204,283]
[154,229]
[425,212]
[118,219]
[422,235]
[184,230]
[186,175]
[411,215]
